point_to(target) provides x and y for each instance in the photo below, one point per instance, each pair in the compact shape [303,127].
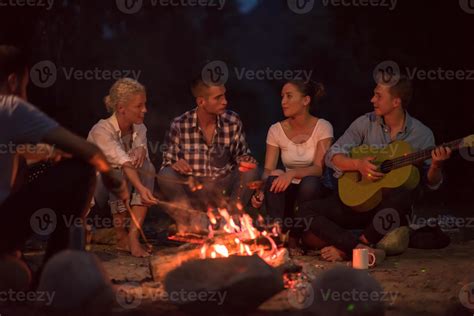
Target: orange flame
[222,250]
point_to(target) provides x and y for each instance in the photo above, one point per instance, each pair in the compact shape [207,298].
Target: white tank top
[295,153]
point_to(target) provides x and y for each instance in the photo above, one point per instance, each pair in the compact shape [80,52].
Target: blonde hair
[121,91]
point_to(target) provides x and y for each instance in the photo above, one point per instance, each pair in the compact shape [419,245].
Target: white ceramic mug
[360,259]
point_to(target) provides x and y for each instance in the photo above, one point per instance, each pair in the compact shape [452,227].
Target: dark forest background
[341,45]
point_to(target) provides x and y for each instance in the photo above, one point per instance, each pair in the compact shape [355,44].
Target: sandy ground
[422,282]
[418,282]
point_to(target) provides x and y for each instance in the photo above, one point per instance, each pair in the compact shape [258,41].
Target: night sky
[165,46]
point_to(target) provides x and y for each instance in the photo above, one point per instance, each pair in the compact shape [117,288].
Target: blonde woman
[122,138]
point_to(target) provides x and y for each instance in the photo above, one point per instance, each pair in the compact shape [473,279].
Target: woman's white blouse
[107,136]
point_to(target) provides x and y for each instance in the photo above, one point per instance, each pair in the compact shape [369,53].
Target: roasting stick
[191,182]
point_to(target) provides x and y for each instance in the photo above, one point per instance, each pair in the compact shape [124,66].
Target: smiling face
[384,102]
[293,102]
[214,101]
[133,109]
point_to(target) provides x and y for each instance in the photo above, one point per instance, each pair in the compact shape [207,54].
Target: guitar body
[363,195]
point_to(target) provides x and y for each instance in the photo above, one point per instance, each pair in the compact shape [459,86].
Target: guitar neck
[419,156]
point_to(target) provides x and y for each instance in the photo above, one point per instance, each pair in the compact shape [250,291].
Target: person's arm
[272,154]
[116,154]
[172,156]
[281,183]
[132,175]
[239,148]
[67,141]
[338,157]
[433,168]
[435,172]
[139,152]
[31,126]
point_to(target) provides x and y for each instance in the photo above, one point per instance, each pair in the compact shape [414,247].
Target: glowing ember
[239,206]
[245,244]
[211,216]
[222,250]
[247,249]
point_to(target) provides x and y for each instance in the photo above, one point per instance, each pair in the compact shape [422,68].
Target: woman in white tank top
[302,140]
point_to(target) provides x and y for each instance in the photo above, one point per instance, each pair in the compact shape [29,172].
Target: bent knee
[148,167]
[310,188]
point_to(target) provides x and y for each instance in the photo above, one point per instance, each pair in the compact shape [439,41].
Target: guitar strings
[414,157]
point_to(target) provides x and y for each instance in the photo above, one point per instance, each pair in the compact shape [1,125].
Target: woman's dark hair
[12,60]
[315,90]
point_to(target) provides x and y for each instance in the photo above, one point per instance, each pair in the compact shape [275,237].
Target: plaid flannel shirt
[185,140]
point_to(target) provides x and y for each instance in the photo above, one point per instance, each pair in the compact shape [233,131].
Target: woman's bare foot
[332,254]
[123,244]
[137,249]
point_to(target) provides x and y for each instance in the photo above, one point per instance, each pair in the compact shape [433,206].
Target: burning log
[170,259]
[164,262]
[241,282]
[187,220]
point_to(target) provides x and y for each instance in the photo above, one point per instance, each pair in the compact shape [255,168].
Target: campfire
[224,248]
[229,235]
[226,235]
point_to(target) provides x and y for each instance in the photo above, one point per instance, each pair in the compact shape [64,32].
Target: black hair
[12,61]
[315,90]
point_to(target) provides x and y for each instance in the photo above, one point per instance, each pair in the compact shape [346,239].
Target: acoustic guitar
[397,161]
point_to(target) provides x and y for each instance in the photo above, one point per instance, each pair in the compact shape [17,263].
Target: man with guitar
[389,123]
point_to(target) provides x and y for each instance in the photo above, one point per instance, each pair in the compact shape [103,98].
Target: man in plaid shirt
[207,143]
